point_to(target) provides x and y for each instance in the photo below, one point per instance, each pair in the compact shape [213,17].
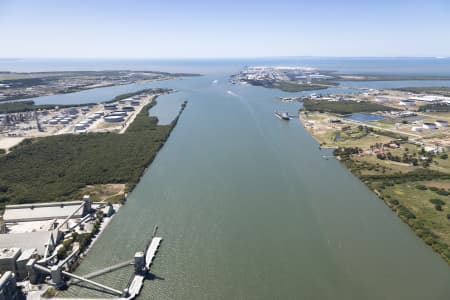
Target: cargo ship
[283,116]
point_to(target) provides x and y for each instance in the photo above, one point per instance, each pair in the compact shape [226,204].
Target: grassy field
[332,135]
[62,167]
[420,205]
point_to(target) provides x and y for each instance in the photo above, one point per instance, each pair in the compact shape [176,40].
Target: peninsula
[105,158]
[298,79]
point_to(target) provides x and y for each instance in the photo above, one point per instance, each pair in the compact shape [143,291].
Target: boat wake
[232,93]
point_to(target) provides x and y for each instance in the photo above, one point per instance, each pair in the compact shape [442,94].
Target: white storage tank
[441,123]
[110,106]
[80,126]
[113,119]
[408,102]
[119,113]
[128,108]
[429,125]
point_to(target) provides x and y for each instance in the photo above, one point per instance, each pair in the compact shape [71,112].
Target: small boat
[283,116]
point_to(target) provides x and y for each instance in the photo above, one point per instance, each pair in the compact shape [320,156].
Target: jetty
[142,262]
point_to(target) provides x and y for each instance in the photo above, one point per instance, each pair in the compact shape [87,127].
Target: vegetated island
[412,180]
[14,86]
[298,79]
[65,167]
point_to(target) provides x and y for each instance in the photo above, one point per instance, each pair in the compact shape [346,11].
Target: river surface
[249,209]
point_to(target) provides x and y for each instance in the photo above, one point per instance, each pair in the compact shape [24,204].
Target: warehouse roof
[44,211]
[28,240]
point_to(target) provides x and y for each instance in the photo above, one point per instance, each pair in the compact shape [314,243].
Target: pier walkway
[138,280]
[151,251]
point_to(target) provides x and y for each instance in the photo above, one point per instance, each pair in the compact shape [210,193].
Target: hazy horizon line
[212,57]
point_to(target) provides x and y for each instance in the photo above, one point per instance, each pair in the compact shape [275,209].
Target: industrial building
[37,240]
[33,234]
[42,211]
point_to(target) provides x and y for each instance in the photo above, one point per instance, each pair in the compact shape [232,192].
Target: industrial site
[288,78]
[104,117]
[41,243]
[421,117]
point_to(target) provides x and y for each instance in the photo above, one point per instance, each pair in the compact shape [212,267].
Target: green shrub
[436,201]
[421,187]
[394,202]
[403,212]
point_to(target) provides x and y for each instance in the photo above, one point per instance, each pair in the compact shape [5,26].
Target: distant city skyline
[227,29]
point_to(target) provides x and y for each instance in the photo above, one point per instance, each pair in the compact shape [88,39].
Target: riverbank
[413,182]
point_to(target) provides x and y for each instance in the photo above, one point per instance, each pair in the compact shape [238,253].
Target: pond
[360,117]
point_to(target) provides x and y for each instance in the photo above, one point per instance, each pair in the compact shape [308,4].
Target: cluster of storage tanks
[63,118]
[119,114]
[82,126]
[430,125]
[112,114]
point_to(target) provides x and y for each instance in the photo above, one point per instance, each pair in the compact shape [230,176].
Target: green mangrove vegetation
[343,107]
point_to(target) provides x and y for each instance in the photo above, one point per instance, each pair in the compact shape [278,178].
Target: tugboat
[283,116]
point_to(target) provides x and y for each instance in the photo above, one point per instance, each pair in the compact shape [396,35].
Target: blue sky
[178,29]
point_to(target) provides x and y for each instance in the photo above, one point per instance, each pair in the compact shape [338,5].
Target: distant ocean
[393,66]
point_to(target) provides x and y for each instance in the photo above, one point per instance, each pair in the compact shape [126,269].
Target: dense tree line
[343,107]
[437,107]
